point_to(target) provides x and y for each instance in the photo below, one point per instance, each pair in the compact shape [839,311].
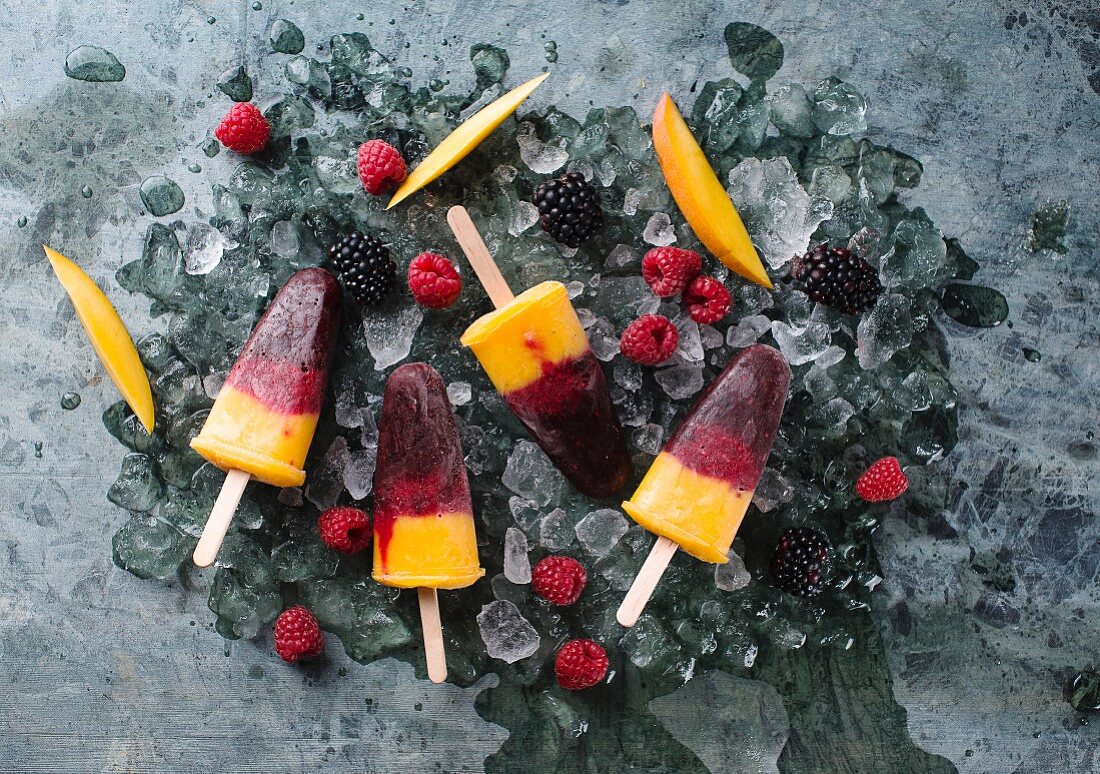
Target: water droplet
[235,84]
[210,147]
[404,72]
[69,401]
[210,20]
[974,305]
[359,17]
[161,195]
[286,38]
[393,21]
[22,221]
[1032,355]
[435,84]
[257,6]
[418,707]
[194,167]
[93,64]
[551,49]
[86,192]
[38,449]
[969,753]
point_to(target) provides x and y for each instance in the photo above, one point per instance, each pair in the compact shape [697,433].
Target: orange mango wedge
[467,136]
[108,335]
[700,197]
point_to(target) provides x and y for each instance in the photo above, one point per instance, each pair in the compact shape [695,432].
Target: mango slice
[700,197]
[469,134]
[108,335]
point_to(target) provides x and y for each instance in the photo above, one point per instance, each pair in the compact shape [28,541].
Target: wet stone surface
[808,157]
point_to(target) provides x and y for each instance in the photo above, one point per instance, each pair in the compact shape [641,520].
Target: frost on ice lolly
[423,517]
[537,355]
[699,487]
[263,420]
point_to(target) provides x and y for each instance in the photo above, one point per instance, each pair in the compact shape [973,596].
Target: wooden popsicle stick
[478,255]
[434,652]
[218,524]
[648,578]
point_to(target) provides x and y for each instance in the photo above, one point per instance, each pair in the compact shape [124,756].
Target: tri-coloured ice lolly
[423,515]
[538,357]
[699,487]
[263,420]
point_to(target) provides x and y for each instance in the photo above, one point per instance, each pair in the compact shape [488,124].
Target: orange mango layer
[700,513]
[437,551]
[514,343]
[240,434]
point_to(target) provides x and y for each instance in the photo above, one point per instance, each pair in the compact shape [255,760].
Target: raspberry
[668,270]
[345,529]
[580,664]
[297,635]
[882,481]
[380,166]
[707,300]
[799,561]
[649,340]
[433,281]
[559,580]
[244,129]
[838,278]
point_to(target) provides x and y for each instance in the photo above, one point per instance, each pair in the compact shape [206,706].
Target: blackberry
[569,208]
[365,266]
[838,278]
[798,564]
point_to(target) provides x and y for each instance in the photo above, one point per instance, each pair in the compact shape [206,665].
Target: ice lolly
[263,420]
[699,487]
[423,516]
[537,356]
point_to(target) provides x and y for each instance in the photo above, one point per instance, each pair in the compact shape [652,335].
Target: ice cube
[359,472]
[832,416]
[556,530]
[137,487]
[525,514]
[658,230]
[325,483]
[517,567]
[711,337]
[603,340]
[149,548]
[530,474]
[839,108]
[389,332]
[865,243]
[748,330]
[290,495]
[627,374]
[506,633]
[690,345]
[586,317]
[681,381]
[732,575]
[771,491]
[540,157]
[205,247]
[884,330]
[648,438]
[801,345]
[622,257]
[284,238]
[338,175]
[778,213]
[792,111]
[917,255]
[648,641]
[600,530]
[460,393]
[830,182]
[212,383]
